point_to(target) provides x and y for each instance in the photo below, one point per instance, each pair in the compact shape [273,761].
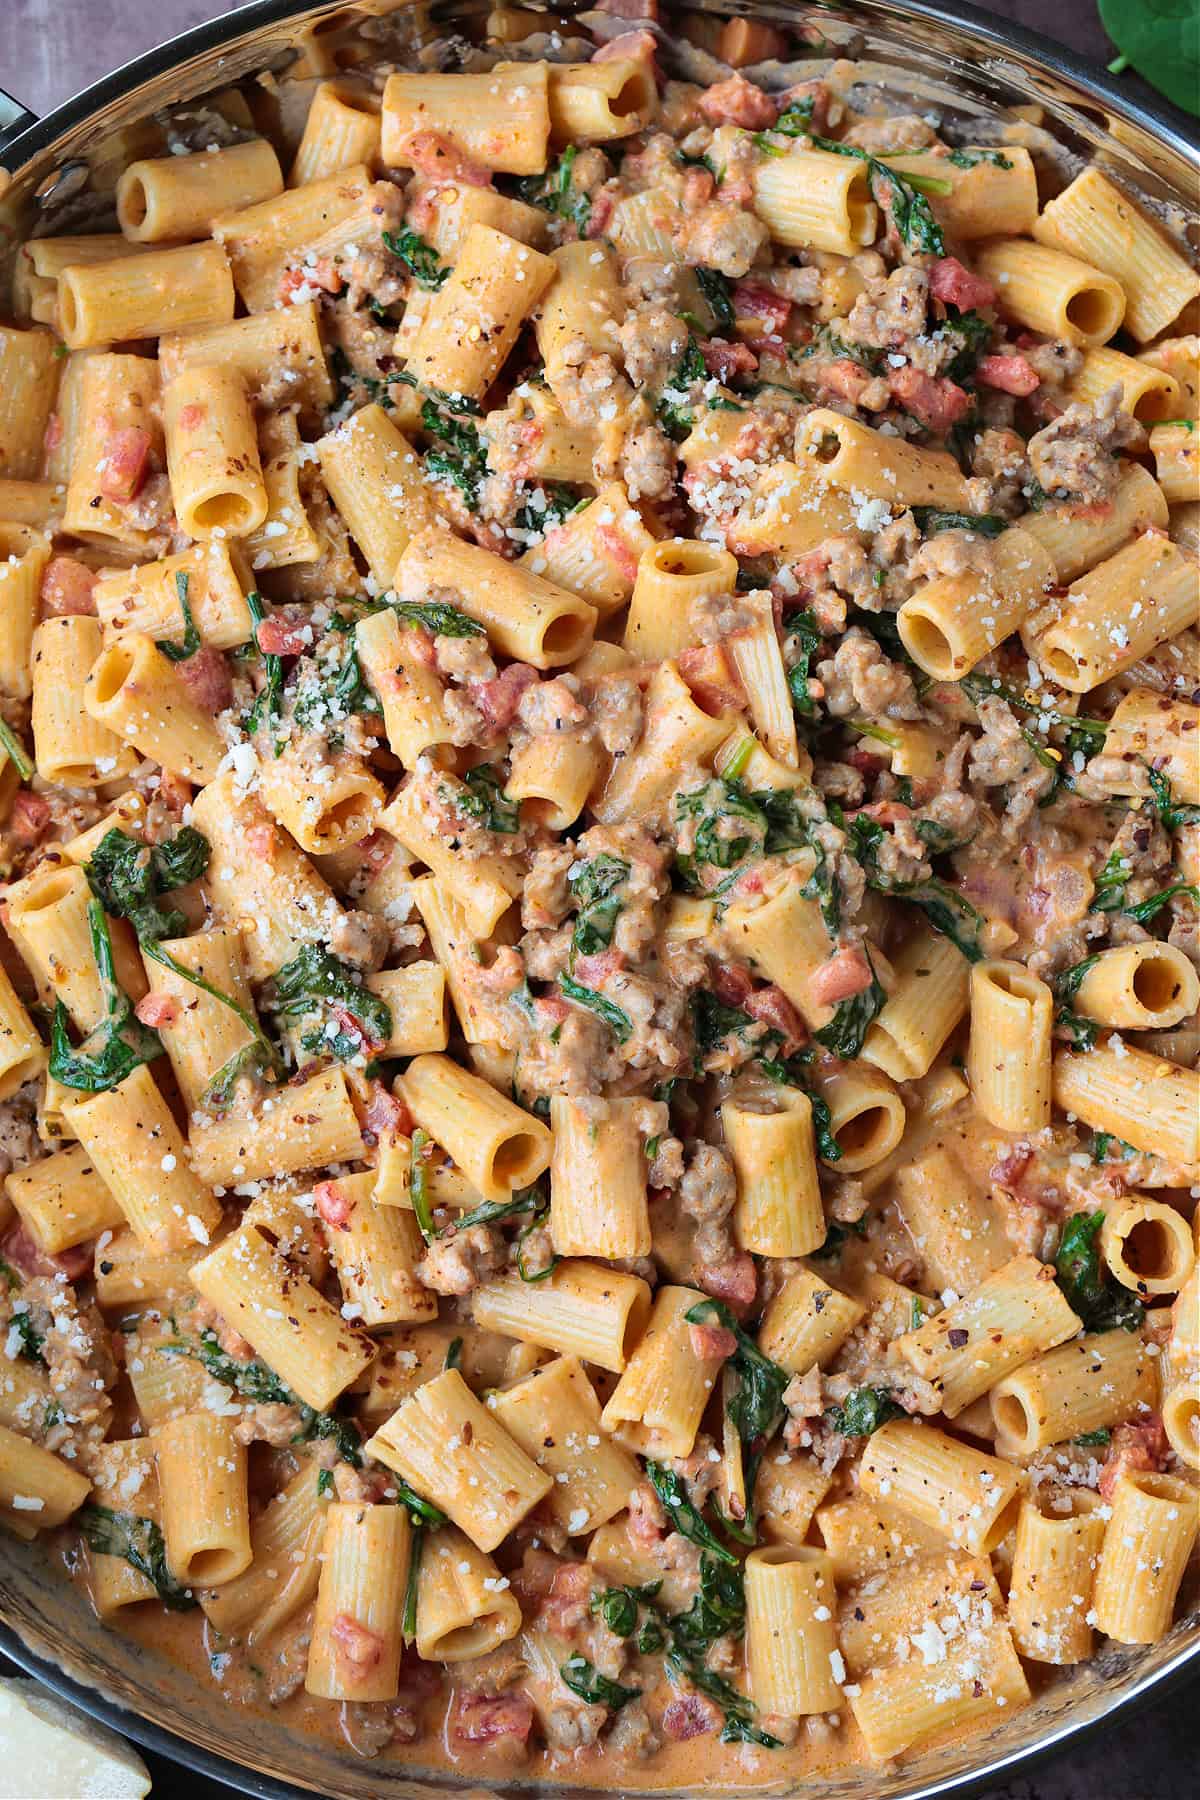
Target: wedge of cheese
[52,1751]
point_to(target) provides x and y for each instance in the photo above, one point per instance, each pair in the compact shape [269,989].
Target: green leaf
[118,1045]
[439,618]
[802,629]
[1160,39]
[554,192]
[684,1517]
[1101,1303]
[715,288]
[1091,1438]
[1109,887]
[910,211]
[265,710]
[418,257]
[619,1607]
[931,520]
[863,1412]
[191,637]
[713,1021]
[314,976]
[408,1617]
[128,877]
[674,407]
[15,750]
[790,1073]
[260,1385]
[598,1690]
[852,1018]
[421,1511]
[137,1541]
[594,886]
[419,1186]
[968,159]
[614,1016]
[491,1212]
[31,1340]
[485,800]
[837,1236]
[1171,815]
[460,456]
[324,1483]
[971,332]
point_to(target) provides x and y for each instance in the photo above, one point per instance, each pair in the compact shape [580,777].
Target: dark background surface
[46,55]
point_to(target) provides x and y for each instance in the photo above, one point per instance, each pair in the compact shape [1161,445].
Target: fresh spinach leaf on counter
[1102,1303]
[137,1541]
[1160,42]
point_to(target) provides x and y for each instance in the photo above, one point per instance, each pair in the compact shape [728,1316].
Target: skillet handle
[14,119]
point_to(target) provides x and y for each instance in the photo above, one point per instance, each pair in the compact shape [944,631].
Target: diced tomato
[385,1115]
[631,46]
[157,1009]
[482,1718]
[738,102]
[68,589]
[603,206]
[867,762]
[845,379]
[207,679]
[126,453]
[1136,1445]
[689,1716]
[616,549]
[754,300]
[566,1605]
[725,360]
[298,283]
[933,399]
[29,820]
[19,1249]
[357,1647]
[734,1281]
[593,970]
[440,158]
[715,684]
[261,840]
[698,189]
[646,1522]
[333,1203]
[731,983]
[1011,374]
[285,634]
[772,1006]
[953,283]
[846,973]
[499,698]
[711,1341]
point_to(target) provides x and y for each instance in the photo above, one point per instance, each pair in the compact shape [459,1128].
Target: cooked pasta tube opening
[111,672]
[340,823]
[1094,311]
[1060,663]
[518,1156]
[68,311]
[46,891]
[225,512]
[864,1130]
[1156,979]
[1181,1422]
[1151,1252]
[464,1642]
[689,558]
[566,635]
[210,1568]
[1015,1421]
[636,92]
[1002,1525]
[132,205]
[927,643]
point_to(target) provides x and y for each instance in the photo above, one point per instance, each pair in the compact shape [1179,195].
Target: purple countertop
[51,48]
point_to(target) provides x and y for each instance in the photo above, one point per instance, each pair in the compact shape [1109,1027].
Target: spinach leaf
[437,617]
[931,520]
[554,192]
[262,1387]
[1171,815]
[1109,887]
[1147,909]
[119,1044]
[191,637]
[419,1185]
[460,456]
[837,1235]
[333,687]
[420,1511]
[718,1609]
[804,644]
[485,800]
[738,1728]
[128,877]
[614,1016]
[684,1517]
[948,911]
[418,257]
[863,1412]
[315,975]
[967,159]
[905,197]
[16,752]
[1102,1304]
[674,407]
[1081,734]
[715,288]
[794,121]
[713,845]
[139,1542]
[852,1018]
[491,1212]
[265,710]
[408,1616]
[29,1337]
[619,1607]
[1102,1143]
[713,1021]
[971,332]
[1090,1438]
[757,1408]
[595,885]
[1160,42]
[598,1690]
[1082,1031]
